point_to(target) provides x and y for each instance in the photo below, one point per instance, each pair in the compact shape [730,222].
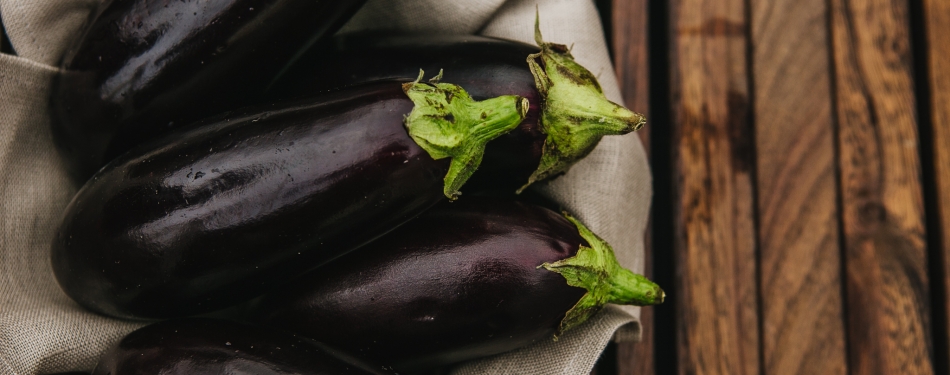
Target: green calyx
[595,269]
[447,123]
[575,114]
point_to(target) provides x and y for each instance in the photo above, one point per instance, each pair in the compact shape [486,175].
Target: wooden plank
[937,25]
[716,296]
[802,320]
[882,203]
[630,46]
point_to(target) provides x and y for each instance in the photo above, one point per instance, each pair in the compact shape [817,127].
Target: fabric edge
[23,62]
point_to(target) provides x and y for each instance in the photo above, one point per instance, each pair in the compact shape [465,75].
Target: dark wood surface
[630,18]
[800,264]
[716,294]
[936,20]
[881,196]
[801,161]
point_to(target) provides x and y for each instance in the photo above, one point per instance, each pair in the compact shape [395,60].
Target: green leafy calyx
[575,114]
[447,123]
[596,269]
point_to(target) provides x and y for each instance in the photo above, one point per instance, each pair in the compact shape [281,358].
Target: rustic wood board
[937,25]
[716,295]
[800,266]
[887,286]
[630,46]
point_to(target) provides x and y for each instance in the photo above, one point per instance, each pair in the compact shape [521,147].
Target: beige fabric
[43,331]
[40,30]
[575,353]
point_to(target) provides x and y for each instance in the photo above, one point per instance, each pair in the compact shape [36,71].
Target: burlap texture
[43,331]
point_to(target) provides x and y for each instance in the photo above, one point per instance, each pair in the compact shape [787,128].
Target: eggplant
[204,219]
[148,65]
[467,279]
[567,118]
[198,346]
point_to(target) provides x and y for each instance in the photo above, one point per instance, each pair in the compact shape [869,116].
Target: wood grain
[631,58]
[630,46]
[882,205]
[802,321]
[716,298]
[937,19]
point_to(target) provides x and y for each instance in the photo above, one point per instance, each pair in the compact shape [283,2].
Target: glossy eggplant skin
[144,66]
[198,346]
[460,281]
[202,220]
[485,67]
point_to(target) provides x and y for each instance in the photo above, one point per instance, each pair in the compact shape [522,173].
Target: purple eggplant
[467,279]
[567,118]
[145,66]
[202,220]
[199,346]
[485,67]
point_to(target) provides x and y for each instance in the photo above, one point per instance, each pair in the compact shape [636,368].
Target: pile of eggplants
[467,279]
[323,193]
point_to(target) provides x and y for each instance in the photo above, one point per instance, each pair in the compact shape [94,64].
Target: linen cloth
[43,331]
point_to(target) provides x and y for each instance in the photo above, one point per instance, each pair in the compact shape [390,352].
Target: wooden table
[801,160]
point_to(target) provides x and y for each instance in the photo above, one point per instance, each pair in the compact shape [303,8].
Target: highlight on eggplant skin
[204,219]
[203,346]
[142,67]
[465,280]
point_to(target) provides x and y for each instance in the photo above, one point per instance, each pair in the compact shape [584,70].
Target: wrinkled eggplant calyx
[447,123]
[575,114]
[596,269]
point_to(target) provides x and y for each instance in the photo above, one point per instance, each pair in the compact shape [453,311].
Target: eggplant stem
[447,123]
[596,269]
[575,114]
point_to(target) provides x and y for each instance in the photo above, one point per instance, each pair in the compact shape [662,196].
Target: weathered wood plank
[716,295]
[937,25]
[802,321]
[630,46]
[882,201]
